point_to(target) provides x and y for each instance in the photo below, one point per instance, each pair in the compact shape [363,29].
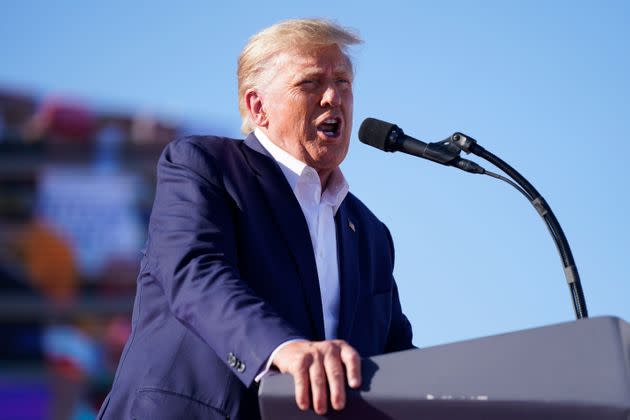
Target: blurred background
[90,94]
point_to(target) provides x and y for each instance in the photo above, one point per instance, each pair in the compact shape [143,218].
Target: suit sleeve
[192,245]
[400,332]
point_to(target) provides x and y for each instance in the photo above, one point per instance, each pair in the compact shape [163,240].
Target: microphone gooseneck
[391,138]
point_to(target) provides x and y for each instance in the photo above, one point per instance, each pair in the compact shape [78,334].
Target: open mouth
[331,127]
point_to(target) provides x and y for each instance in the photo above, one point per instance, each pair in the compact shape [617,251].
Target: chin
[332,162]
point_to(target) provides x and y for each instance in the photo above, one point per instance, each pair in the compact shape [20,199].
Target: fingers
[302,384]
[336,378]
[352,362]
[318,385]
[318,367]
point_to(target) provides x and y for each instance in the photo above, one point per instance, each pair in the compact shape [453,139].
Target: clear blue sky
[543,84]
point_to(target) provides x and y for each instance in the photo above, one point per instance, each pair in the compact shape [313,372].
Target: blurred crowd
[76,188]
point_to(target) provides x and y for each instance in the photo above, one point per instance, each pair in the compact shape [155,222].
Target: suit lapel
[292,226]
[348,256]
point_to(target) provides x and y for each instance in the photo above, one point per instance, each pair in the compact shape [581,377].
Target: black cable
[509,181]
[543,209]
[522,191]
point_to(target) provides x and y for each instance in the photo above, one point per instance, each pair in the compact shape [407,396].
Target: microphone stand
[469,145]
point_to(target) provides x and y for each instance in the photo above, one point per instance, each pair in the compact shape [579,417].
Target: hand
[313,365]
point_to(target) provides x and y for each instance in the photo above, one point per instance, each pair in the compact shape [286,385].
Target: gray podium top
[575,370]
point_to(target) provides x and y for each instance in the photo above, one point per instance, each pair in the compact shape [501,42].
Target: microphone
[391,138]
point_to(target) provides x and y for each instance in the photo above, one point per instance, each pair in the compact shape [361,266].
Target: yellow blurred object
[49,261]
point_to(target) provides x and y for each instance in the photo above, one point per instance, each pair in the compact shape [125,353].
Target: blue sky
[544,85]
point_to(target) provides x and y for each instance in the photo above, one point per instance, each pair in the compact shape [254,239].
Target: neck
[296,153]
[324,176]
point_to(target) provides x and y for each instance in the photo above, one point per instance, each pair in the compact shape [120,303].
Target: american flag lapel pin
[351,225]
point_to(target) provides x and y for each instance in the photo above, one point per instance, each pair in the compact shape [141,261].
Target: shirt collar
[297,172]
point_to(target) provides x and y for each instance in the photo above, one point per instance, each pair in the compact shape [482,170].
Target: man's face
[308,106]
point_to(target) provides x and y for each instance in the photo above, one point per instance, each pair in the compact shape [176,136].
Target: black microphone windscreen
[375,133]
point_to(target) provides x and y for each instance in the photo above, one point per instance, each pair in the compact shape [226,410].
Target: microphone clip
[444,151]
[464,142]
[452,146]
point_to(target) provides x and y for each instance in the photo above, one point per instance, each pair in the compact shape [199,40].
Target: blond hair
[255,59]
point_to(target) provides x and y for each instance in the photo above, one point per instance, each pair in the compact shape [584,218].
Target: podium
[576,370]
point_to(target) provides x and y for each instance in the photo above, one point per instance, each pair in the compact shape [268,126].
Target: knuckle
[316,356]
[336,374]
[302,362]
[319,382]
[342,344]
[334,350]
[352,356]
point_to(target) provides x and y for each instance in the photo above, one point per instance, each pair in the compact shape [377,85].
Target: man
[258,258]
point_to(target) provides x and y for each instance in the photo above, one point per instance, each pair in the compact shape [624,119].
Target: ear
[254,103]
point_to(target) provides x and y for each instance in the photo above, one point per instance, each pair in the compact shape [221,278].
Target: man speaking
[258,258]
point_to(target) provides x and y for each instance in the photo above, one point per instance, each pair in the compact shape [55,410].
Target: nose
[331,97]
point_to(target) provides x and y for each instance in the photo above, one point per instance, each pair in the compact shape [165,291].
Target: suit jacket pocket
[157,404]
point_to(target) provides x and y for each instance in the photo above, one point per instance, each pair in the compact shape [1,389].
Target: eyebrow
[341,69]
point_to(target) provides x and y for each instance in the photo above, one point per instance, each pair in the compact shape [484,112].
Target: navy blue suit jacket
[229,273]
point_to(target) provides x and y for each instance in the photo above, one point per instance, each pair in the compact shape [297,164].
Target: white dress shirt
[319,210]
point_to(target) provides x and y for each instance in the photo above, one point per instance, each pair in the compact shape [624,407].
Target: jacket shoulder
[206,145]
[205,156]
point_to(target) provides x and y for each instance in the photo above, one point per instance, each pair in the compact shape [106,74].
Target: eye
[307,83]
[343,83]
